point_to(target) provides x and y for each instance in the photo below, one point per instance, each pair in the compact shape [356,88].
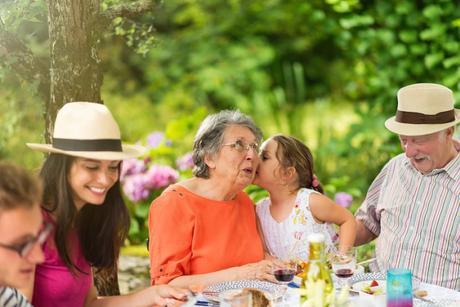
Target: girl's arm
[152,296]
[325,210]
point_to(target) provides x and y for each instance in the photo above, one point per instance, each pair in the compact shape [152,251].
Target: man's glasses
[241,146]
[24,249]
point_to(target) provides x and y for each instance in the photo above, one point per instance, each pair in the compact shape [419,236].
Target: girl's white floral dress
[288,239]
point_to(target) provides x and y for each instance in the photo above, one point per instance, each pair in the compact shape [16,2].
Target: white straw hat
[88,130]
[423,108]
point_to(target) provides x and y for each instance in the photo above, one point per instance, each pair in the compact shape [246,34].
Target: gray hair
[210,136]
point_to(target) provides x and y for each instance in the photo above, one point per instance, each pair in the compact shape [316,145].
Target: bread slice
[259,299]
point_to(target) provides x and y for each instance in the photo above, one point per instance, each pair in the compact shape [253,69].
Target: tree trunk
[76,76]
[74,57]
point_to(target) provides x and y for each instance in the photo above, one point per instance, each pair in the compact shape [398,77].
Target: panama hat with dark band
[423,108]
[88,130]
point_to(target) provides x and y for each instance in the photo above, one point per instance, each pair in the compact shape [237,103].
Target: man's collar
[453,168]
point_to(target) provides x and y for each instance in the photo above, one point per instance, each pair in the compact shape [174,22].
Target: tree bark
[74,59]
[76,76]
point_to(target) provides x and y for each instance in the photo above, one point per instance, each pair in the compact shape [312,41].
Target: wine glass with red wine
[343,265]
[285,273]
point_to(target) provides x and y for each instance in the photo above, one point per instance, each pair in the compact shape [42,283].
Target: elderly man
[413,206]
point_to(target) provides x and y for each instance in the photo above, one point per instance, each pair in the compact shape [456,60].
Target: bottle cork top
[316,238]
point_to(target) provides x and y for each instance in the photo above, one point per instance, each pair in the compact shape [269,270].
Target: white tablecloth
[441,297]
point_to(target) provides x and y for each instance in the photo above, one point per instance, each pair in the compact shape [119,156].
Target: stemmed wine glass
[343,265]
[284,274]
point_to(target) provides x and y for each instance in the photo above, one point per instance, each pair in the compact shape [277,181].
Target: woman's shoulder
[174,195]
[179,199]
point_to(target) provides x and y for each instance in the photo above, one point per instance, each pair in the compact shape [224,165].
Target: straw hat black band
[420,118]
[88,145]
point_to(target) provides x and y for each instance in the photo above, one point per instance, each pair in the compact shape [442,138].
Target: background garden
[325,71]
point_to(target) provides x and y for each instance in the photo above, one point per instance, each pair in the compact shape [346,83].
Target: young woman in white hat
[82,198]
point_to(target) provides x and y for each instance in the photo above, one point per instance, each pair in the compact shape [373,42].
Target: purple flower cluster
[154,139]
[185,162]
[134,187]
[160,176]
[131,167]
[139,180]
[343,199]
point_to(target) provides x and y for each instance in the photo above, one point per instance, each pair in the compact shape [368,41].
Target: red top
[190,234]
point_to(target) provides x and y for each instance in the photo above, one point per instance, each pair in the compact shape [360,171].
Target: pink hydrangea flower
[185,162]
[135,188]
[160,176]
[154,139]
[343,199]
[132,167]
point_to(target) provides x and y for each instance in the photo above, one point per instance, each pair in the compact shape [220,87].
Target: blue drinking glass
[399,288]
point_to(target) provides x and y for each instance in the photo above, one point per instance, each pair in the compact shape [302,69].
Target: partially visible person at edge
[413,206]
[203,230]
[82,199]
[296,206]
[22,231]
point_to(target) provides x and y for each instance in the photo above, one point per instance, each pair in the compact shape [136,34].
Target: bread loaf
[259,299]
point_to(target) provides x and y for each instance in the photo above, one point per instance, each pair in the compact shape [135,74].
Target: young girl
[296,206]
[82,199]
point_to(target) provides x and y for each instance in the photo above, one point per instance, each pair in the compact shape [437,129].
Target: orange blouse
[190,234]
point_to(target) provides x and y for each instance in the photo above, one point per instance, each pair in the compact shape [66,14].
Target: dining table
[433,295]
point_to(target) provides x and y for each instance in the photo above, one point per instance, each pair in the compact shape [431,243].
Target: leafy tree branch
[18,58]
[129,10]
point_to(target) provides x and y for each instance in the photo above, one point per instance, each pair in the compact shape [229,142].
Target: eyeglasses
[241,146]
[24,249]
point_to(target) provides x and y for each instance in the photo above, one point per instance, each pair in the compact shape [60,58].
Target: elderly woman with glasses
[203,230]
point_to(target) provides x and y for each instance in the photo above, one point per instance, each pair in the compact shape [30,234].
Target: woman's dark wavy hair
[101,229]
[291,152]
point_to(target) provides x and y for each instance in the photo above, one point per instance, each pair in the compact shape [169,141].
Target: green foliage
[17,15]
[403,42]
[139,36]
[255,56]
[20,122]
[8,120]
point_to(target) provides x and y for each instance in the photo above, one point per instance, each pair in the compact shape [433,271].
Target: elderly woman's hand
[262,270]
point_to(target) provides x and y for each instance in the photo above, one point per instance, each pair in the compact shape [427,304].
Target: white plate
[367,276]
[381,288]
[378,276]
[359,281]
[272,290]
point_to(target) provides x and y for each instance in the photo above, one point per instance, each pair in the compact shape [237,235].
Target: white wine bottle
[317,279]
